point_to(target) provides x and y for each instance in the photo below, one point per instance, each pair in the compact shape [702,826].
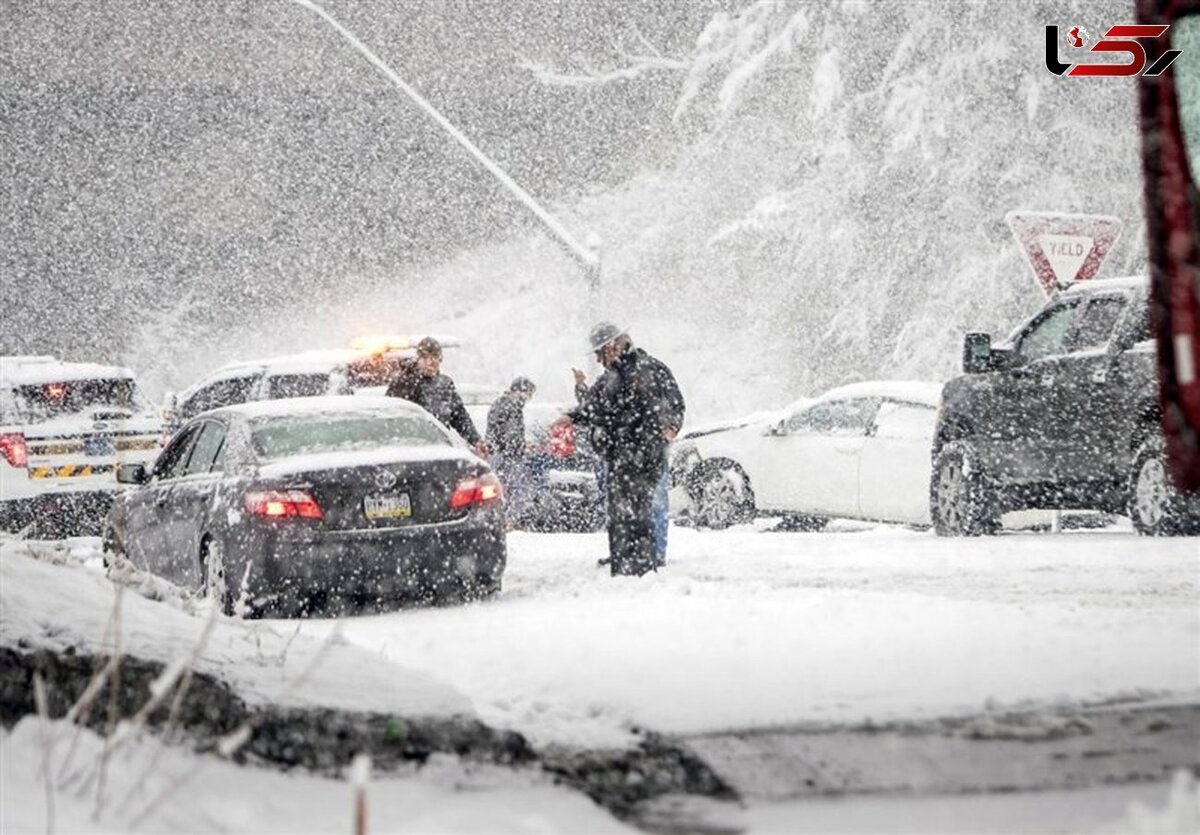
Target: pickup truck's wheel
[721,494]
[1155,506]
[959,499]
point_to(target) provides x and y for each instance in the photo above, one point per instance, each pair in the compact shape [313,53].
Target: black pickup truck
[1064,414]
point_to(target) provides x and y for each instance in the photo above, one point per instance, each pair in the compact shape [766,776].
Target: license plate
[393,506]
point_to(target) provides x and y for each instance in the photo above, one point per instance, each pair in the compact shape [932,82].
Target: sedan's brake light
[14,449]
[483,489]
[282,504]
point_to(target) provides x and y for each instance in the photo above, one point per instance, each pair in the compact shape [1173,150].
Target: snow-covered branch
[631,66]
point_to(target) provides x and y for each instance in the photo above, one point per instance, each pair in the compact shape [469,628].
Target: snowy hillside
[834,213]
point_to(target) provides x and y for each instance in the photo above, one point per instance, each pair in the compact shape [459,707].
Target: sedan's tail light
[282,504]
[483,489]
[14,450]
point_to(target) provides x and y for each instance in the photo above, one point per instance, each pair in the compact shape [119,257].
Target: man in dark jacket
[506,438]
[424,384]
[633,412]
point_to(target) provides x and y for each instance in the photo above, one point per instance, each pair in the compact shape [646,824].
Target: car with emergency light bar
[1063,414]
[64,428]
[300,506]
[368,364]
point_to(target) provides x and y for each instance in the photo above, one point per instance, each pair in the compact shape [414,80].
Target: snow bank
[49,599]
[151,787]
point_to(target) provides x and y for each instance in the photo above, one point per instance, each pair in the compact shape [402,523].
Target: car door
[1085,426]
[1014,430]
[819,457]
[894,469]
[761,449]
[191,496]
[145,531]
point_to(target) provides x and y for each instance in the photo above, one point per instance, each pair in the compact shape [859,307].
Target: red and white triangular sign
[1061,248]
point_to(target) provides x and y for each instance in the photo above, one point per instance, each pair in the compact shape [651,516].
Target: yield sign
[1063,249]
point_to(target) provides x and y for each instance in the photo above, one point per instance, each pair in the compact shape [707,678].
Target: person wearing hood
[506,439]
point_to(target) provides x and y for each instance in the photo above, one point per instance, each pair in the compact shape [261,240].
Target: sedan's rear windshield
[44,401]
[287,436]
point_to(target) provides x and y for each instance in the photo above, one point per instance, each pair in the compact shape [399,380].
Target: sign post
[1063,248]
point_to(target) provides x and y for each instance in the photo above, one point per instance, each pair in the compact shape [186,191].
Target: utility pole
[587,256]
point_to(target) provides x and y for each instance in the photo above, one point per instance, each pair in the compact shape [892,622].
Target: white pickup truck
[64,428]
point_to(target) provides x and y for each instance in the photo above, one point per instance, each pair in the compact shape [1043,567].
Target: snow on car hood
[764,418]
[262,661]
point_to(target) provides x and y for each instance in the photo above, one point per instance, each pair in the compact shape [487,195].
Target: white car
[309,374]
[64,428]
[861,452]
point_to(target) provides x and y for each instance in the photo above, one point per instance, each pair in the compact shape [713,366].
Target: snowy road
[751,628]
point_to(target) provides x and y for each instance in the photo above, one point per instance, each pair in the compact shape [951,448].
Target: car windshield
[45,401]
[282,437]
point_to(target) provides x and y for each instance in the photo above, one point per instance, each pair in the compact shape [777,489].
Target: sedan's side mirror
[977,353]
[132,474]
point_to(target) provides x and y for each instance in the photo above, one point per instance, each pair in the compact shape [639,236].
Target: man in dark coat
[424,383]
[506,439]
[633,412]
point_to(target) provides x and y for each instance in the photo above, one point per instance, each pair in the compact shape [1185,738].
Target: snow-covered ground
[744,628]
[154,789]
[748,628]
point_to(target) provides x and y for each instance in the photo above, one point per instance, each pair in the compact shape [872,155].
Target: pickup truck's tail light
[562,440]
[483,489]
[14,449]
[282,504]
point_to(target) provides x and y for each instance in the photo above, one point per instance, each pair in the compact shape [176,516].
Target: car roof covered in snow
[909,391]
[314,362]
[324,361]
[26,371]
[333,405]
[1097,285]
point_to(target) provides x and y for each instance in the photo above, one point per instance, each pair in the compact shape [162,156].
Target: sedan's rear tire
[1155,506]
[959,499]
[214,576]
[721,495]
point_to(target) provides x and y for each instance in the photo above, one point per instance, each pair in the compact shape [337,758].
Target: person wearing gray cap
[506,439]
[632,412]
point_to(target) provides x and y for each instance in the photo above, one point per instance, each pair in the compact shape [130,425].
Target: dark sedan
[292,507]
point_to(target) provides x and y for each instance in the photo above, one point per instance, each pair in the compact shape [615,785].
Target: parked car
[316,504]
[1063,414]
[860,452]
[364,368]
[566,487]
[309,374]
[64,427]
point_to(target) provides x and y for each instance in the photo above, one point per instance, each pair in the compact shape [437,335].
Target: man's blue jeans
[661,522]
